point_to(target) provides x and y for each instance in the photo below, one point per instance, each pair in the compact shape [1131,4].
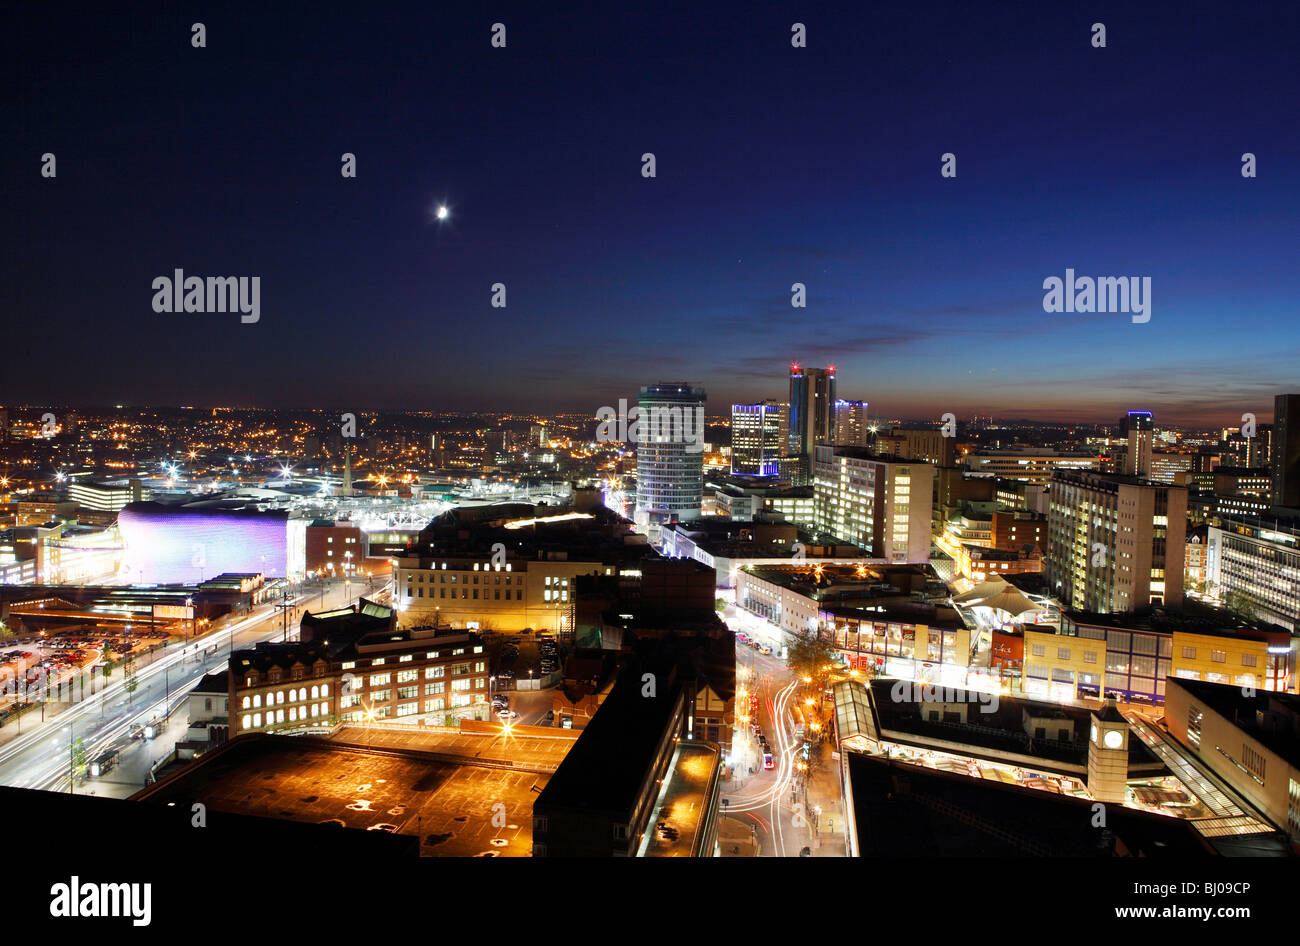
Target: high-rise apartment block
[1114,542]
[850,423]
[876,502]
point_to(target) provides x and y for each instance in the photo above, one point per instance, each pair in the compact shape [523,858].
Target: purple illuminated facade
[167,545]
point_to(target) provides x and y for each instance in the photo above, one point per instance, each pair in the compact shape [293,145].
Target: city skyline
[775,166]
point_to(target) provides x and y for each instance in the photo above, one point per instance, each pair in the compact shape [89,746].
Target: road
[40,757]
[766,800]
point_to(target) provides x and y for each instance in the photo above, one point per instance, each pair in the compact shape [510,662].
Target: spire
[347,470]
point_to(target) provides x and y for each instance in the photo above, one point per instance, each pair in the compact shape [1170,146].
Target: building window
[1218,656]
[1253,762]
[1194,718]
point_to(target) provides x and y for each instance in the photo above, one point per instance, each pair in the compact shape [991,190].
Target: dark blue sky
[775,165]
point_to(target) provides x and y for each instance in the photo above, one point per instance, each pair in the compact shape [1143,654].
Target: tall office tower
[879,503]
[812,414]
[670,453]
[1139,427]
[759,437]
[4,425]
[1285,457]
[1259,448]
[850,423]
[1115,542]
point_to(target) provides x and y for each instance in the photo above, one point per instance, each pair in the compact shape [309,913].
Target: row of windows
[496,594]
[295,695]
[1120,661]
[465,579]
[406,658]
[295,714]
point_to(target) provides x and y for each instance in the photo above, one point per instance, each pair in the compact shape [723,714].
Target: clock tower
[1108,754]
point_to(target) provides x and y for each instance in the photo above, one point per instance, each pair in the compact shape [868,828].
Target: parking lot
[514,655]
[32,663]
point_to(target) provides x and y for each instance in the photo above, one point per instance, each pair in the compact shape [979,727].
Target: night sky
[775,165]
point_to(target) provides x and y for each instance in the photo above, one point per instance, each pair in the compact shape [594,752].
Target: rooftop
[1272,719]
[348,790]
[1193,617]
[928,812]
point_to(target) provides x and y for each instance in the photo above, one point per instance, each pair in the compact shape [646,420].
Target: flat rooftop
[1192,617]
[450,807]
[816,580]
[683,805]
[539,747]
[1001,731]
[1271,718]
[931,813]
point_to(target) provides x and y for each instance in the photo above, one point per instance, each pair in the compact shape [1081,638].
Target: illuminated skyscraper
[812,411]
[759,437]
[1140,429]
[850,424]
[670,453]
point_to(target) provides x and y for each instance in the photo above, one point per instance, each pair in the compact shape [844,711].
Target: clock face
[1114,740]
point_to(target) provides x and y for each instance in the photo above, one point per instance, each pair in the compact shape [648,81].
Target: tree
[1239,604]
[78,760]
[810,658]
[720,604]
[131,683]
